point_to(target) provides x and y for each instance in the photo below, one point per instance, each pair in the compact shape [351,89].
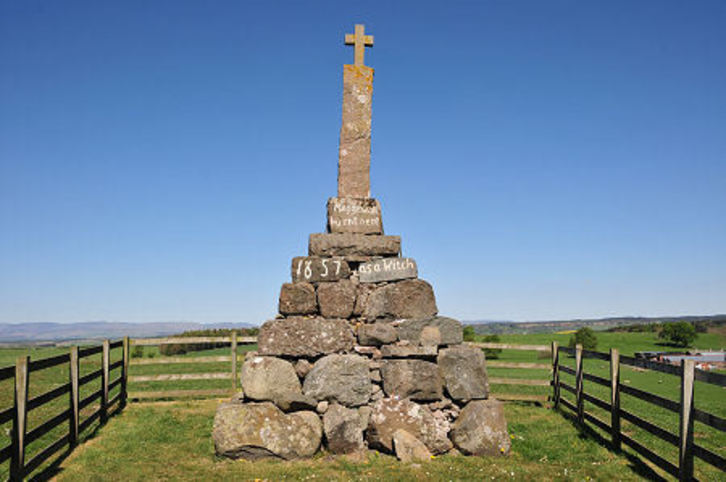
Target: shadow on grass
[636,463]
[53,469]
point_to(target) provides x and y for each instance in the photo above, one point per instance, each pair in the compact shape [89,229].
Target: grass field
[523,420]
[707,397]
[172,441]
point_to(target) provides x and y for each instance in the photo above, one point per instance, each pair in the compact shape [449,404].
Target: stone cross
[354,155]
[360,40]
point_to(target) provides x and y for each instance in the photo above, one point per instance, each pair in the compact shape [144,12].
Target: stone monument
[358,357]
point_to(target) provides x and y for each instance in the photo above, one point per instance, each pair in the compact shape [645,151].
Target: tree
[681,333]
[469,333]
[585,337]
[492,353]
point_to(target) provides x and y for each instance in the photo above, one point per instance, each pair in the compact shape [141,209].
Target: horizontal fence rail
[687,413]
[233,341]
[524,382]
[22,436]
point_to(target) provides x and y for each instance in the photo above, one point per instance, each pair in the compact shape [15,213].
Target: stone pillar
[354,159]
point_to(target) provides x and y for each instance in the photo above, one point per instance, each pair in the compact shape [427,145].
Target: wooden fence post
[233,349]
[104,382]
[685,447]
[125,372]
[73,422]
[555,374]
[615,397]
[578,385]
[17,463]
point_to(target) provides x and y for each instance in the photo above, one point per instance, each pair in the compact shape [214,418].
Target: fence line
[233,341]
[18,412]
[687,373]
[685,409]
[531,382]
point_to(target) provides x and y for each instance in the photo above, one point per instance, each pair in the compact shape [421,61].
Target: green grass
[44,380]
[173,442]
[707,397]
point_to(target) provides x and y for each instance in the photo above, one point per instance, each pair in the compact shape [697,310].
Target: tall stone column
[354,158]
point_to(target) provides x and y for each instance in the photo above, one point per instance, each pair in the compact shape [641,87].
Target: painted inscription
[387,269]
[352,215]
[314,269]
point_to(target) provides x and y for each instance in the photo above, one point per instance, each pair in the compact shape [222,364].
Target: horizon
[540,162]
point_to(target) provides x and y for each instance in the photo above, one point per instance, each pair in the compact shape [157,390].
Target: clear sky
[165,160]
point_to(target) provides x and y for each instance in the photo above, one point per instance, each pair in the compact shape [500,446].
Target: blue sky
[165,160]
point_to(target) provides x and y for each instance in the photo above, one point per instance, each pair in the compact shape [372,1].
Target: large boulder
[304,337]
[481,429]
[339,378]
[269,378]
[376,334]
[413,298]
[297,299]
[464,371]
[409,448]
[343,429]
[415,379]
[259,430]
[451,331]
[391,414]
[337,299]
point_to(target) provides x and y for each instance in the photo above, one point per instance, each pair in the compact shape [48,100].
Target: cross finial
[361,41]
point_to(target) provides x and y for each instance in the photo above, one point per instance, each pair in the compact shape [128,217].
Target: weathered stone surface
[405,299]
[364,413]
[258,430]
[464,371]
[391,414]
[268,378]
[377,334]
[481,429]
[363,290]
[292,402]
[387,269]
[416,379]
[336,300]
[351,215]
[408,351]
[430,336]
[409,448]
[304,337]
[297,299]
[315,269]
[343,429]
[302,368]
[451,331]
[322,407]
[354,155]
[339,378]
[344,244]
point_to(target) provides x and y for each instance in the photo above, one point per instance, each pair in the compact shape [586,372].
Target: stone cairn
[358,359]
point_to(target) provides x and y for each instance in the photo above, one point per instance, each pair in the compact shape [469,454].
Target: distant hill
[506,327]
[94,330]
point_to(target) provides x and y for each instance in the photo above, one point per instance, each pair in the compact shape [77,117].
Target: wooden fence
[511,381]
[231,375]
[18,413]
[685,409]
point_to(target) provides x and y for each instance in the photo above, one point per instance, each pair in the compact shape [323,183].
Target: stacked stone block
[358,359]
